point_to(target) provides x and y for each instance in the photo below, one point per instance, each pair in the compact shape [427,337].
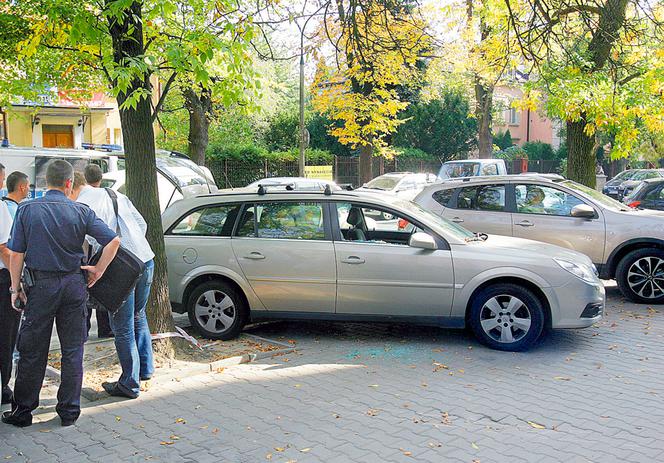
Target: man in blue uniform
[47,236]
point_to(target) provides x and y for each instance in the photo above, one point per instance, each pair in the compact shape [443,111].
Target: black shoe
[18,421]
[7,395]
[67,422]
[114,390]
[146,378]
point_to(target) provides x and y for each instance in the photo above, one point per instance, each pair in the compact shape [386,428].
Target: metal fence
[231,173]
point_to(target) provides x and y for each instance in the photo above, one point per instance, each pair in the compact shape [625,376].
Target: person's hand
[16,297]
[94,274]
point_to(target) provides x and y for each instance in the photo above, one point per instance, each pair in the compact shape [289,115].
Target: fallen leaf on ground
[305,450]
[536,425]
[439,366]
[373,385]
[279,449]
[166,442]
[268,456]
[562,378]
[372,412]
[117,418]
[474,445]
[181,420]
[215,430]
[406,452]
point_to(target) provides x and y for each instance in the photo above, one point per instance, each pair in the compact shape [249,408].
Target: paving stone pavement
[390,393]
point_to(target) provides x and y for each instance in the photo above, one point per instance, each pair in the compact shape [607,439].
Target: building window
[513,116]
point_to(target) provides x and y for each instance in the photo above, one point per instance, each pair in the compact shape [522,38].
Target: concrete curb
[92,395]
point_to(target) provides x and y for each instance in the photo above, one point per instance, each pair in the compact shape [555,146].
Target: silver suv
[243,257]
[623,243]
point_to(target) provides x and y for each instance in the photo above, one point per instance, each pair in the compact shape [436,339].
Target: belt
[42,275]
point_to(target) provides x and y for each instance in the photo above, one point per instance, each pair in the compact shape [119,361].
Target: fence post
[265,168]
[226,174]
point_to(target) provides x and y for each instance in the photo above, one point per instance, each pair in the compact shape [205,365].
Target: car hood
[536,249]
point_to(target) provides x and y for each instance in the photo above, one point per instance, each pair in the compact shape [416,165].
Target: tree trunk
[366,163]
[580,154]
[199,107]
[483,113]
[141,171]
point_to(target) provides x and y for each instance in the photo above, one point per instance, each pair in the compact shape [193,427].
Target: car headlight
[585,272]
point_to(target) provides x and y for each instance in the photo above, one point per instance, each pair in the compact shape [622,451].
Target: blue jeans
[132,335]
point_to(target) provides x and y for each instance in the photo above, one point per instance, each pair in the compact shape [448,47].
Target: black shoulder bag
[112,290]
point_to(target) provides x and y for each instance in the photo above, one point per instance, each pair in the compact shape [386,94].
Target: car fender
[212,270]
[463,292]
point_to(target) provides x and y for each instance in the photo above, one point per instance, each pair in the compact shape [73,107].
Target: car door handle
[525,223]
[457,219]
[352,260]
[255,256]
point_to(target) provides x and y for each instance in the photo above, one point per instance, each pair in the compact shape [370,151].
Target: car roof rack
[263,189]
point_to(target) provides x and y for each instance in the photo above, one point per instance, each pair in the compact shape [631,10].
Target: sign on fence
[319,172]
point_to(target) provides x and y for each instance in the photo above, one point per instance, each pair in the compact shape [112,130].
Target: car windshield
[383,183]
[636,191]
[645,174]
[601,198]
[182,171]
[626,175]
[444,224]
[107,183]
[459,169]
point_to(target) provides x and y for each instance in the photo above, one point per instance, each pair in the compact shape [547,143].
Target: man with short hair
[18,188]
[9,318]
[103,319]
[47,237]
[133,341]
[93,175]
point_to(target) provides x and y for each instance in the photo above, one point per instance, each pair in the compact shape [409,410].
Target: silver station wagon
[351,256]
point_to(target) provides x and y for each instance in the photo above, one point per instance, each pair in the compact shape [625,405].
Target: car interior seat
[354,219]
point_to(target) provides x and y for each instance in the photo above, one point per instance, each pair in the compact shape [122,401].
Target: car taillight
[634,204]
[403,223]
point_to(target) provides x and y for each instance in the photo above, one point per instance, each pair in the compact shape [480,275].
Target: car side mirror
[583,211]
[422,240]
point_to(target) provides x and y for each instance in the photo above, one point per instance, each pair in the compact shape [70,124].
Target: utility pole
[302,159]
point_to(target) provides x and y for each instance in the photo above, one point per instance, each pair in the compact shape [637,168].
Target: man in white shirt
[9,318]
[132,334]
[18,188]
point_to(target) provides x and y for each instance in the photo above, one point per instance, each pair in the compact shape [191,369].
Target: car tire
[506,317]
[639,272]
[217,311]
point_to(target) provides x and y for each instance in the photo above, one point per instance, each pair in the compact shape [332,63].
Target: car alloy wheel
[215,311]
[505,318]
[645,277]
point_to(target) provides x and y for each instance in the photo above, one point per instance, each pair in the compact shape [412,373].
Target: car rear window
[215,220]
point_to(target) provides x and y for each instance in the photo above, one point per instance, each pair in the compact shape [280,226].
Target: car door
[481,209]
[542,213]
[285,251]
[379,274]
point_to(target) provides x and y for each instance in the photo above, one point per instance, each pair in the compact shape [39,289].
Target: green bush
[443,128]
[503,140]
[283,131]
[253,153]
[241,152]
[511,153]
[538,150]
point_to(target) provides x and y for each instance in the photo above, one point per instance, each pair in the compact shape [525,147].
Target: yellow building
[62,123]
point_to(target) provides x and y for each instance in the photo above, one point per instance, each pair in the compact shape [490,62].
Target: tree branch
[162,97]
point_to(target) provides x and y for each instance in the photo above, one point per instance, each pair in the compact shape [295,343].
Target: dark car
[649,194]
[624,183]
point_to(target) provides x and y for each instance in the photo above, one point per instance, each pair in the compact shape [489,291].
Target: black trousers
[103,323]
[60,297]
[9,321]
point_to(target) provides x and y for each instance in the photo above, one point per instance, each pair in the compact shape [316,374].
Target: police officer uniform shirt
[59,225]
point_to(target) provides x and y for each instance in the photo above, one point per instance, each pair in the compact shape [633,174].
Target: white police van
[33,162]
[177,170]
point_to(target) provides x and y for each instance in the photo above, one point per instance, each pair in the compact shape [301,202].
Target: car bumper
[578,304]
